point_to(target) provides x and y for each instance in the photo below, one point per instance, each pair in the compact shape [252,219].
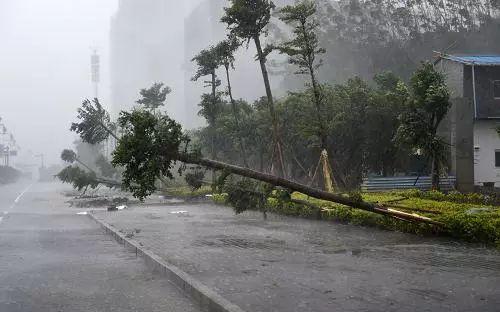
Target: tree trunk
[435,174]
[304,189]
[236,118]
[261,159]
[325,163]
[212,126]
[327,177]
[270,100]
[327,172]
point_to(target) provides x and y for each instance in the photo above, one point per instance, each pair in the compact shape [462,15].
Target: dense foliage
[95,124]
[78,178]
[154,97]
[361,120]
[147,150]
[426,110]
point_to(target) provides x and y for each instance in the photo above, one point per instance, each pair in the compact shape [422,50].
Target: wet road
[54,260]
[296,265]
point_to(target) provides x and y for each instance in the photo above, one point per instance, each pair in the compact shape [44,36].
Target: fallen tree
[151,144]
[304,189]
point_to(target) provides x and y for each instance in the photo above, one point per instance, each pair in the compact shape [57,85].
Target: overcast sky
[44,66]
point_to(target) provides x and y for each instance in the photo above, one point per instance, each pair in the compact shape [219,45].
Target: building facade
[474,82]
[147,47]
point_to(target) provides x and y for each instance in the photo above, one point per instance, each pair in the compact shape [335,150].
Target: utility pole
[41,157]
[95,72]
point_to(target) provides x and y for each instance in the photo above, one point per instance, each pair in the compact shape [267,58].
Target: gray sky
[44,66]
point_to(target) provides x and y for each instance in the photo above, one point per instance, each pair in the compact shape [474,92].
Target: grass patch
[482,227]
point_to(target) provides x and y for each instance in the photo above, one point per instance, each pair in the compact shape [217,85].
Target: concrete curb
[208,300]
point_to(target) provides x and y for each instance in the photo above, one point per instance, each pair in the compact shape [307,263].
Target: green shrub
[446,208]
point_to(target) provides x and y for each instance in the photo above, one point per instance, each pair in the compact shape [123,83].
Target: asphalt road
[298,265]
[52,259]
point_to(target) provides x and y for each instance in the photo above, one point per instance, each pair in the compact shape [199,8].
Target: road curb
[208,300]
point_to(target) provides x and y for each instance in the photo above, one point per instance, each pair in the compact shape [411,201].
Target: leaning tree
[303,51]
[225,51]
[247,20]
[208,62]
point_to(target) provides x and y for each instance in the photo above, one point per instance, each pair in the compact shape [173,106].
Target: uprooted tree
[151,144]
[83,179]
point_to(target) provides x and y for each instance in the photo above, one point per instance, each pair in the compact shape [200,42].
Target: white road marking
[21,195]
[18,198]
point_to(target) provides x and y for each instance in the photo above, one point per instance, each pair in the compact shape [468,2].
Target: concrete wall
[457,127]
[454,73]
[463,144]
[486,141]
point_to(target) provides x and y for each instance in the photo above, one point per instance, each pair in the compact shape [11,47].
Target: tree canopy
[154,97]
[247,19]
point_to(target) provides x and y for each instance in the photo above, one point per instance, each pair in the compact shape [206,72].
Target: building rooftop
[479,60]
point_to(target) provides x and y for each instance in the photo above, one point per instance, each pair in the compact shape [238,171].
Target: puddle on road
[84,213]
[226,242]
[167,200]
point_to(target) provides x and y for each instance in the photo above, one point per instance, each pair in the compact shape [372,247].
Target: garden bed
[465,217]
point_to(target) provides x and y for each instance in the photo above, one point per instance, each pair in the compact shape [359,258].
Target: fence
[405,183]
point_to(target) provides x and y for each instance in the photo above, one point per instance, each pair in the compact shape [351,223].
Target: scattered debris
[88,201]
[117,208]
[120,200]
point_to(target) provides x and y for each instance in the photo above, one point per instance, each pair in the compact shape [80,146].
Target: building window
[497,158]
[496,89]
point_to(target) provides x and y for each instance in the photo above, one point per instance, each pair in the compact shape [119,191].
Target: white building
[474,82]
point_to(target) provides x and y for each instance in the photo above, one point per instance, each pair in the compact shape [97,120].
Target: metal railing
[406,183]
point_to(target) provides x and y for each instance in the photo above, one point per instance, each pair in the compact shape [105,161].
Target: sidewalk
[288,264]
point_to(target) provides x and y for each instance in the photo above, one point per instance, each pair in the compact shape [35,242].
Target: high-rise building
[155,40]
[147,47]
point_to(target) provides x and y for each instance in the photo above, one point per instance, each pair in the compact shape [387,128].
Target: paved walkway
[287,264]
[53,260]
